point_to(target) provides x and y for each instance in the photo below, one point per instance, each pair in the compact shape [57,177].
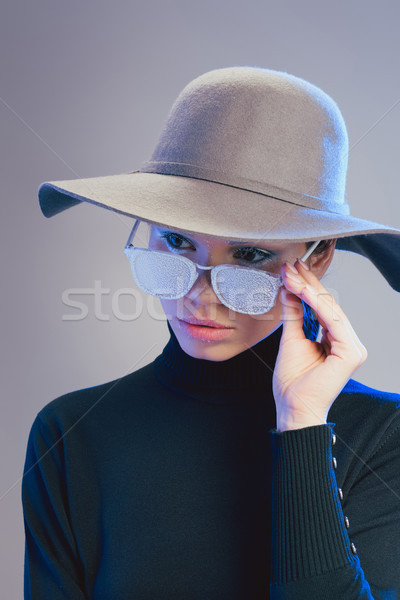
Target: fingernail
[303,264]
[291,268]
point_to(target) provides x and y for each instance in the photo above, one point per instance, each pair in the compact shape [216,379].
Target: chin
[206,350]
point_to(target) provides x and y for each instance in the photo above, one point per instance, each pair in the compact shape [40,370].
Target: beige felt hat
[250,154]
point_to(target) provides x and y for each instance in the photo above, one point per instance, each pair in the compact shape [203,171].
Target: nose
[202,291]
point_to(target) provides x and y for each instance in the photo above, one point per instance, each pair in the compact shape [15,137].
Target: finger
[313,280]
[307,276]
[307,286]
[329,314]
[294,282]
[292,315]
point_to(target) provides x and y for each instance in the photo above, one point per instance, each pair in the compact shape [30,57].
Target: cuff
[309,536]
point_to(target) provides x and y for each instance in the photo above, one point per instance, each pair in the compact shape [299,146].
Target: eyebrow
[250,243]
[235,242]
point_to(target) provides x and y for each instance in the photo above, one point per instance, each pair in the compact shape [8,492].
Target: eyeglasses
[168,276]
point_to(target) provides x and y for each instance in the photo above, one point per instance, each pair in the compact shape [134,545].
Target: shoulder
[363,400]
[366,418]
[101,401]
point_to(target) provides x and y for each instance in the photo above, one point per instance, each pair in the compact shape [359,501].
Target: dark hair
[310,322]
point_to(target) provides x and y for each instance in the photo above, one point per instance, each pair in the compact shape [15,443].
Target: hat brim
[215,209]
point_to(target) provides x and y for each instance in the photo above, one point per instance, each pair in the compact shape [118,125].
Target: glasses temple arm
[132,233]
[310,250]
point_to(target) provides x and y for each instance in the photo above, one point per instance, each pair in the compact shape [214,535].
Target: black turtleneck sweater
[172,483]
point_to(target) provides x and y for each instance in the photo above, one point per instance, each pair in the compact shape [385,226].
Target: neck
[244,378]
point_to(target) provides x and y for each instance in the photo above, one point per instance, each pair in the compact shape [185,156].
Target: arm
[53,570]
[311,553]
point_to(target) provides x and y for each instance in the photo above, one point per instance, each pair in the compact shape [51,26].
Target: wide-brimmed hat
[246,154]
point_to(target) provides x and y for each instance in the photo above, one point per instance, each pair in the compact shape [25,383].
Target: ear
[319,263]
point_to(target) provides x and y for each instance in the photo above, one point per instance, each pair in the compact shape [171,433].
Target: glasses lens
[246,290]
[159,273]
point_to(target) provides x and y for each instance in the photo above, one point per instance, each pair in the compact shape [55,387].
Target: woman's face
[201,301]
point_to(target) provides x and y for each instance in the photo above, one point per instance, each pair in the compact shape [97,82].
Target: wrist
[290,422]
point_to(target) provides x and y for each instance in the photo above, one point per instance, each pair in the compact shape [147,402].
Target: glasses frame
[130,250]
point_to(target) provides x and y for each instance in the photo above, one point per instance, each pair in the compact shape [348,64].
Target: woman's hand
[308,376]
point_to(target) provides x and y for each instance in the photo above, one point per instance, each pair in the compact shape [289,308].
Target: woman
[244,462]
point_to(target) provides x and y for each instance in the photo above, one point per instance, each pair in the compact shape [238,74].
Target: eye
[249,252]
[245,254]
[174,240]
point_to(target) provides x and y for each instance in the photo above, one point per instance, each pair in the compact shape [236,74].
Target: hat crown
[258,129]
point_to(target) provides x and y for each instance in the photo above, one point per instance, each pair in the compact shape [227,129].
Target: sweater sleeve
[53,570]
[312,553]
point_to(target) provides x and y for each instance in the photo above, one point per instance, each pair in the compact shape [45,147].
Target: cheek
[170,308]
[259,323]
[274,315]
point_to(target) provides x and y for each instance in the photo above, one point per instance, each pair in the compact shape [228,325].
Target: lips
[205,323]
[205,333]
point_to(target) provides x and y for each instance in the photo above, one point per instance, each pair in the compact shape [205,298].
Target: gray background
[85,90]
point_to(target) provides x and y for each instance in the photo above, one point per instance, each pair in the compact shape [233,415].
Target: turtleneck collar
[242,379]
